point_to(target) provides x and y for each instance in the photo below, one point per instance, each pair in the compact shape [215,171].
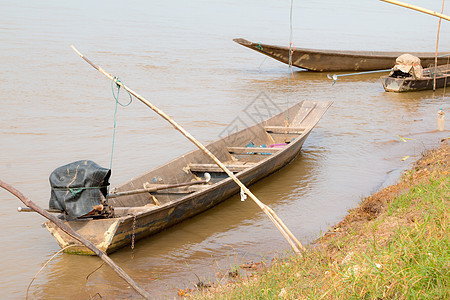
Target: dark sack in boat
[78,187]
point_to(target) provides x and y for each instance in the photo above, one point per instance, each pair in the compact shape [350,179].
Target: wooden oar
[158,188]
[76,236]
[424,10]
[292,240]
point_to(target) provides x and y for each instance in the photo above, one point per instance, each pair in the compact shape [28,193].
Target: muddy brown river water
[56,109]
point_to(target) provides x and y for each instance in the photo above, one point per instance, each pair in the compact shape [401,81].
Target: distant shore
[395,244]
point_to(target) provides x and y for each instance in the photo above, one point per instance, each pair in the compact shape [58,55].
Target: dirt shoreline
[353,227]
[372,206]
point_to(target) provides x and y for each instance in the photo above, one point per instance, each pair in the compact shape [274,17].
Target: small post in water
[441,120]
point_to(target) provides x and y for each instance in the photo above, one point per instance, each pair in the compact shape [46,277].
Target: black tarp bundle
[78,187]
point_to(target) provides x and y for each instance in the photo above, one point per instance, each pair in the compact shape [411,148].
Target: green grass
[403,253]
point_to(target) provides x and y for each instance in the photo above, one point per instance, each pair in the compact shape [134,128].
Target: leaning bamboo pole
[424,10]
[287,234]
[437,47]
[76,236]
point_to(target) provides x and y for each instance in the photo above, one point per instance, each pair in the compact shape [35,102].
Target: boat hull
[114,233]
[120,232]
[400,85]
[333,60]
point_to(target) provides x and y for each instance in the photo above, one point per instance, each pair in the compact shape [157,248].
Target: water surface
[56,109]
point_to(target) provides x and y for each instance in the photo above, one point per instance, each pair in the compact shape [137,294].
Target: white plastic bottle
[440,120]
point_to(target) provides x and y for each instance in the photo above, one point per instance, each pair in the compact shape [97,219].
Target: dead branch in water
[76,236]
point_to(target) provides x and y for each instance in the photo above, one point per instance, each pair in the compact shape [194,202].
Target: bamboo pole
[154,189]
[132,192]
[76,236]
[437,46]
[424,10]
[287,234]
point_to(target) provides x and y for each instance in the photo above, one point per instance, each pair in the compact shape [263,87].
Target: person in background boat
[407,65]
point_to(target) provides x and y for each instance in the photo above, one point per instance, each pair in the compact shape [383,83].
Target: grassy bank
[395,245]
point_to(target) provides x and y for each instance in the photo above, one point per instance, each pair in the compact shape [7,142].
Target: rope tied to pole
[76,190]
[118,83]
[291,52]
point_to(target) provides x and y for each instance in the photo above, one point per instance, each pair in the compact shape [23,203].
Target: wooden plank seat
[253,150]
[177,190]
[215,168]
[124,211]
[184,190]
[283,129]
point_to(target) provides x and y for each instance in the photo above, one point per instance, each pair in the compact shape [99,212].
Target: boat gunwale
[220,183]
[308,107]
[346,53]
[406,80]
[298,138]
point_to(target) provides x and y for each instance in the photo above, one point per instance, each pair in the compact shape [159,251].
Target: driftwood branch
[76,236]
[295,244]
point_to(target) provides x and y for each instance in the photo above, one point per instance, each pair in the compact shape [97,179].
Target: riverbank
[395,244]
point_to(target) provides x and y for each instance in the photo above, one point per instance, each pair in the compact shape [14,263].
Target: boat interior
[442,70]
[239,151]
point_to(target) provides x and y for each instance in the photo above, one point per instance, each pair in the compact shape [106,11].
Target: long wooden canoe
[251,153]
[334,60]
[410,84]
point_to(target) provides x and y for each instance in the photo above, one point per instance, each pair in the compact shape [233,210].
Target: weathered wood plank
[252,150]
[215,168]
[283,129]
[157,189]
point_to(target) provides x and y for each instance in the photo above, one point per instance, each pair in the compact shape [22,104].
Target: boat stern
[391,84]
[99,232]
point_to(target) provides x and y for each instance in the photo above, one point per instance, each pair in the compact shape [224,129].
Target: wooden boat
[409,84]
[334,60]
[252,154]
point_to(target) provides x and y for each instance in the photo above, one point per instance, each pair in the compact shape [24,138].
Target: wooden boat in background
[252,154]
[334,60]
[410,84]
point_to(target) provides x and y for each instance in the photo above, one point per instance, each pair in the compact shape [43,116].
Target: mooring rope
[291,50]
[42,268]
[116,81]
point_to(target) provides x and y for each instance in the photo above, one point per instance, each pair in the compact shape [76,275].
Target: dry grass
[394,245]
